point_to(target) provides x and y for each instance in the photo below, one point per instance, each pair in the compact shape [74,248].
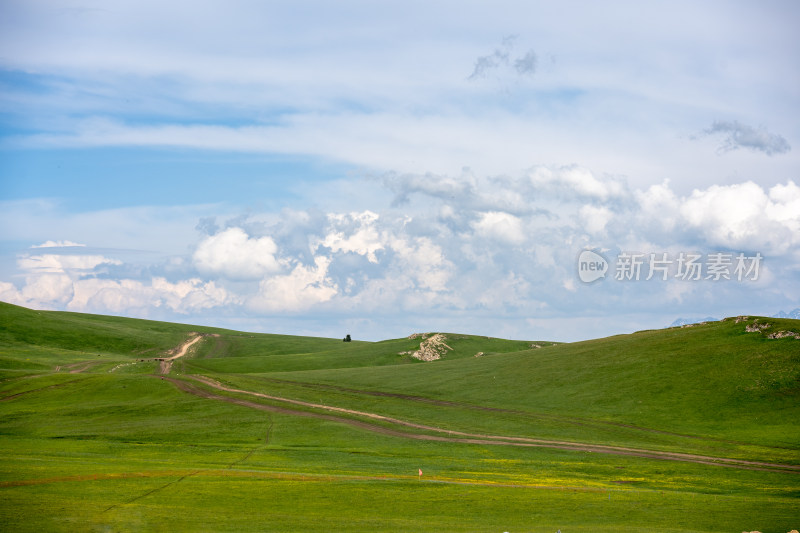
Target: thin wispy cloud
[58,244]
[737,136]
[488,63]
[504,58]
[527,64]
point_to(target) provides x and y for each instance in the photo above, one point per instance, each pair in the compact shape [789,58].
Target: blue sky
[377,169]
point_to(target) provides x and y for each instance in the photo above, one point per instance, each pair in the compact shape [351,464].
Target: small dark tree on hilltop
[346,339]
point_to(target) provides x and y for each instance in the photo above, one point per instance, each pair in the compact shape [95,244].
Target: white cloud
[744,216]
[594,218]
[63,263]
[784,205]
[658,206]
[501,226]
[301,289]
[509,291]
[119,296]
[71,282]
[50,289]
[353,232]
[569,284]
[57,244]
[576,180]
[44,291]
[123,296]
[423,261]
[437,254]
[235,255]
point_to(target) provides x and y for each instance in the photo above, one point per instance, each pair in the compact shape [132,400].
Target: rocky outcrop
[430,349]
[761,327]
[755,327]
[783,335]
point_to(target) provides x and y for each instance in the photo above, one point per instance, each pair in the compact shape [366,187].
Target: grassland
[684,429]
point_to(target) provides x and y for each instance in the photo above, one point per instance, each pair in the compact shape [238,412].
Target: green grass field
[684,429]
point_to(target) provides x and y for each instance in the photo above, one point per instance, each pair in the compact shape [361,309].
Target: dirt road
[166,362]
[405,429]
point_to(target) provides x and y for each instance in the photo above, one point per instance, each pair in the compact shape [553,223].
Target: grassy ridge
[261,354]
[36,340]
[115,448]
[86,333]
[711,380]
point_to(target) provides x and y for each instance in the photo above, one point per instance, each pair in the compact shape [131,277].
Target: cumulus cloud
[73,282]
[47,291]
[504,227]
[575,180]
[594,218]
[60,291]
[441,253]
[659,204]
[423,261]
[233,254]
[745,216]
[415,262]
[119,296]
[511,290]
[440,186]
[736,135]
[353,232]
[304,287]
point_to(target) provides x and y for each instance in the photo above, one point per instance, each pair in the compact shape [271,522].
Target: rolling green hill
[106,424]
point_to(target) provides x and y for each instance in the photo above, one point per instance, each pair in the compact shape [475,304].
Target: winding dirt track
[575,421]
[403,429]
[166,362]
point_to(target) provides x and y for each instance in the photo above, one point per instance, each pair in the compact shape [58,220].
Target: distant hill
[685,321]
[795,314]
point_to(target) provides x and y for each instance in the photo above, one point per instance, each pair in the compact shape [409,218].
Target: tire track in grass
[463,437]
[243,459]
[576,421]
[152,491]
[165,367]
[56,386]
[77,368]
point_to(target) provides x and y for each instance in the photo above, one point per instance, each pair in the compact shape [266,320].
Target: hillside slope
[50,338]
[712,379]
[683,429]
